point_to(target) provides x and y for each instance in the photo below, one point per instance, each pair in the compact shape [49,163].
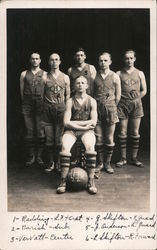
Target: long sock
[134,146]
[100,154]
[65,164]
[91,166]
[108,153]
[40,146]
[49,153]
[122,142]
[57,156]
[30,146]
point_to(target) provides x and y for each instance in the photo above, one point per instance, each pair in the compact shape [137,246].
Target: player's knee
[99,140]
[89,146]
[109,140]
[123,132]
[134,132]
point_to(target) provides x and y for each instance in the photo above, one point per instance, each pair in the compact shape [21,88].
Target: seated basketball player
[79,120]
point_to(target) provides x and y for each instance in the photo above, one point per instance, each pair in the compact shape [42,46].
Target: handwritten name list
[107,227]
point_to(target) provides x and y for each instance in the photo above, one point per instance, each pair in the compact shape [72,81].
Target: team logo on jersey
[130,82]
[56,89]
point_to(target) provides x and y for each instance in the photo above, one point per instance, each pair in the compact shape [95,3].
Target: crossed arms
[80,125]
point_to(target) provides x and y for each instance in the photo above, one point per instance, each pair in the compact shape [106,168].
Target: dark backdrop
[61,31]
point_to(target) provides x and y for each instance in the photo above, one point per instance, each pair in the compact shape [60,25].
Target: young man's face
[80,57]
[81,85]
[35,60]
[104,61]
[54,61]
[129,59]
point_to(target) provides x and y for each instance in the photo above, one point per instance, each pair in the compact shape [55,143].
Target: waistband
[48,102]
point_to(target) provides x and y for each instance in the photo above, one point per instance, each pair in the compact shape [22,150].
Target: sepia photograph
[49,135]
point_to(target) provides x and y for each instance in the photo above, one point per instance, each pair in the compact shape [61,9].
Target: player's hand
[133,94]
[89,126]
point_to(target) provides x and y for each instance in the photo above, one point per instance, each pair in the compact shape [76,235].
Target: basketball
[77,178]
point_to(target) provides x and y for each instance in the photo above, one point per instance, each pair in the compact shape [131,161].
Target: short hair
[104,53]
[130,51]
[55,53]
[34,53]
[80,49]
[81,77]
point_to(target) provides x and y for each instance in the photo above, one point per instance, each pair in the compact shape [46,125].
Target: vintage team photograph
[78,109]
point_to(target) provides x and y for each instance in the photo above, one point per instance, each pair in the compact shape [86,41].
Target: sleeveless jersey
[81,112]
[104,89]
[129,82]
[75,73]
[34,83]
[55,88]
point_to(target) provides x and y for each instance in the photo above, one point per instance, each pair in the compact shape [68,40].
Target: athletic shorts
[53,113]
[32,105]
[78,134]
[130,109]
[107,114]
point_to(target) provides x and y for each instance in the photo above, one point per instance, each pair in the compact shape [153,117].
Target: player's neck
[105,71]
[80,65]
[129,69]
[35,69]
[55,72]
[81,95]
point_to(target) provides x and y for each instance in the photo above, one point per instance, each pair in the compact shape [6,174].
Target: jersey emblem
[56,89]
[130,82]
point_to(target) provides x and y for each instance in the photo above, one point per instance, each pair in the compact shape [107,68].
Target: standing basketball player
[130,108]
[107,92]
[81,68]
[56,92]
[79,119]
[32,88]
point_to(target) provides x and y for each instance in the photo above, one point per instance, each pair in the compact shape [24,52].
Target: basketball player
[107,92]
[81,68]
[79,119]
[130,108]
[32,88]
[56,92]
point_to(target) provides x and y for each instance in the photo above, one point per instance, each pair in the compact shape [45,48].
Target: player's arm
[93,115]
[69,71]
[93,72]
[143,84]
[67,86]
[117,88]
[44,76]
[67,118]
[22,76]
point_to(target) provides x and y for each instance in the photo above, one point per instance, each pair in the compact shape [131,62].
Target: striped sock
[123,142]
[108,153]
[134,146]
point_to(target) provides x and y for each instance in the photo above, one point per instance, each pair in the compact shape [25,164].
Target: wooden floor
[32,190]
